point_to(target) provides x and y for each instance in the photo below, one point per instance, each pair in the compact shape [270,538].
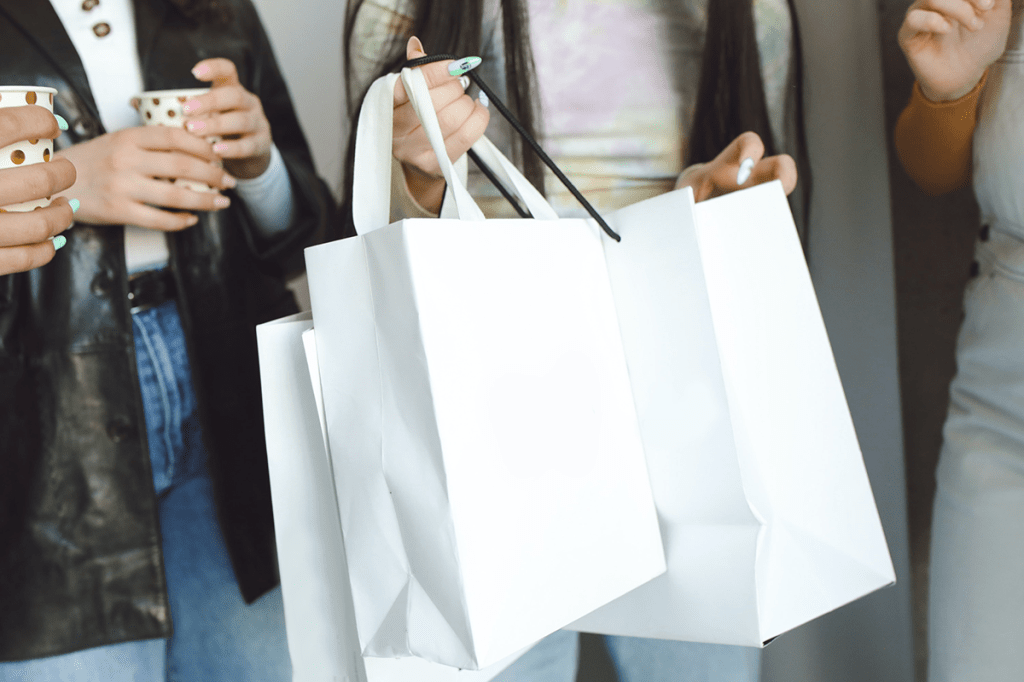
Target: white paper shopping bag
[319,617]
[489,467]
[766,512]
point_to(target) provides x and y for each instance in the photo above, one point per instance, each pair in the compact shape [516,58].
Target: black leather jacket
[80,560]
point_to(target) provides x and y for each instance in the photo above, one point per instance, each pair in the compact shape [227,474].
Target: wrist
[939,96]
[426,190]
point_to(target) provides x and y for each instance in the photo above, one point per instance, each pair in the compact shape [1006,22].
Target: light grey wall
[306,35]
[851,262]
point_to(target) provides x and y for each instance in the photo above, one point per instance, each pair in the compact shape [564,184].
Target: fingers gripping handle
[419,97]
[371,181]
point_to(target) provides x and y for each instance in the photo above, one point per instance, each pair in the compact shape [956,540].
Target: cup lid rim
[168,93]
[27,88]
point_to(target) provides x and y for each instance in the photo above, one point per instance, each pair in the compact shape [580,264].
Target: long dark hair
[731,98]
[444,26]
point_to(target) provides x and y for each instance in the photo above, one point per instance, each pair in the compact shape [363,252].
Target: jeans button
[119,429]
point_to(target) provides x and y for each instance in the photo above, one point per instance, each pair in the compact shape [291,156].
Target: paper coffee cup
[163,108]
[26,152]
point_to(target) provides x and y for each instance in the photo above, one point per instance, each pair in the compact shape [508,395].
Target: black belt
[151,288]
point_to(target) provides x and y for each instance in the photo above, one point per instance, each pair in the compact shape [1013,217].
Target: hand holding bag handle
[504,111]
[371,182]
[371,201]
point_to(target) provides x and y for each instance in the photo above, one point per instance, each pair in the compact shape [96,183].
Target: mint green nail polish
[61,122]
[75,205]
[464,65]
[59,241]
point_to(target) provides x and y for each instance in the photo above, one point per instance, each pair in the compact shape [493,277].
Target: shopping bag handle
[371,181]
[524,134]
[457,201]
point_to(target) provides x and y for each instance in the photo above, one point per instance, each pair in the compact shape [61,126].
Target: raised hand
[121,178]
[234,113]
[25,238]
[741,164]
[950,43]
[463,121]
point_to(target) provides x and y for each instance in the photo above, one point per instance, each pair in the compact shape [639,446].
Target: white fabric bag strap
[371,181]
[371,175]
[371,197]
[513,180]
[419,96]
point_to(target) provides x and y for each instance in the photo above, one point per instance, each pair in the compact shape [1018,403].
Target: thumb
[414,49]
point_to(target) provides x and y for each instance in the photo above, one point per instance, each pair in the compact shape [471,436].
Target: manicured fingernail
[191,220]
[745,168]
[200,71]
[987,4]
[228,181]
[484,100]
[61,122]
[977,24]
[220,148]
[75,205]
[464,81]
[195,126]
[221,202]
[59,241]
[464,65]
[191,106]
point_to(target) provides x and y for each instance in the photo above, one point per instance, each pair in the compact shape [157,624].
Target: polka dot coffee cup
[26,152]
[163,108]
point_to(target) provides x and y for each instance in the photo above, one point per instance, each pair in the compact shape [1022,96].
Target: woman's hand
[118,178]
[25,238]
[950,43]
[233,113]
[463,121]
[740,165]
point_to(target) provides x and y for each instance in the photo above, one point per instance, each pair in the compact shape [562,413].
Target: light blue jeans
[217,636]
[555,658]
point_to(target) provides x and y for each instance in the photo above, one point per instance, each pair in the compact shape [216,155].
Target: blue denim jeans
[554,659]
[217,636]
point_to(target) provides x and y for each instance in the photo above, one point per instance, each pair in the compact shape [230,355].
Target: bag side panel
[350,377]
[412,460]
[707,527]
[823,545]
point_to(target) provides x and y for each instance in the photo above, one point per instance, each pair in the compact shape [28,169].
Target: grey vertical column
[306,36]
[852,267]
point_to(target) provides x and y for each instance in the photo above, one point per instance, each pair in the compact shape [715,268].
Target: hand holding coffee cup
[165,108]
[122,178]
[33,149]
[229,111]
[30,224]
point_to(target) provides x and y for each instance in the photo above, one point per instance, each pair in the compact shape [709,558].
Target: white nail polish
[464,82]
[484,100]
[745,168]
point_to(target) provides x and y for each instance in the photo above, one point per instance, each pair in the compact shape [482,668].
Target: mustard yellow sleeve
[934,140]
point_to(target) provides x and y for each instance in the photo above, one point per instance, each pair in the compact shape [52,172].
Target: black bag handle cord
[504,111]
